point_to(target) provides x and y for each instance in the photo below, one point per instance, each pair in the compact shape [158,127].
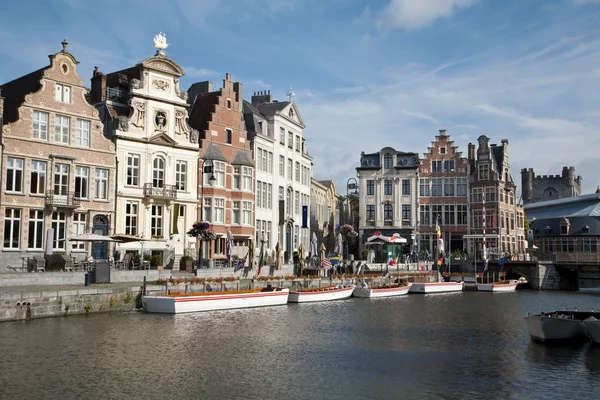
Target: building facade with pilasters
[388,194]
[145,114]
[58,169]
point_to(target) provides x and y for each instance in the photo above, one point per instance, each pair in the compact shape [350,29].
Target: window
[218,173]
[461,186]
[388,212]
[290,140]
[82,133]
[81,182]
[448,186]
[490,194]
[388,161]
[181,211]
[133,170]
[288,201]
[437,211]
[281,193]
[296,229]
[484,173]
[297,171]
[370,212]
[424,187]
[12,228]
[61,129]
[246,212]
[290,172]
[449,214]
[236,212]
[61,179]
[282,166]
[270,162]
[59,224]
[449,166]
[461,214]
[436,166]
[228,136]
[206,216]
[476,195]
[219,210]
[78,229]
[180,175]
[131,218]
[282,136]
[40,125]
[424,215]
[298,143]
[442,150]
[36,229]
[269,197]
[297,203]
[477,218]
[370,187]
[247,178]
[14,174]
[264,195]
[406,187]
[101,186]
[236,178]
[156,221]
[37,177]
[158,172]
[258,193]
[63,93]
[387,187]
[436,187]
[405,212]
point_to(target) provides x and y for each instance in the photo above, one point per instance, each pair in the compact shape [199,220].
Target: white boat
[392,289]
[498,286]
[593,326]
[559,325]
[436,287]
[320,294]
[211,301]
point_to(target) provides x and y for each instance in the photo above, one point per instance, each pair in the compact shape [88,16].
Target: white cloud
[416,14]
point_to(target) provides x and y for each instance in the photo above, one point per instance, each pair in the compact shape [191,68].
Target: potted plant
[186,263]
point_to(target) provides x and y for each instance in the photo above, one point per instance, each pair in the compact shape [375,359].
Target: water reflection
[464,345]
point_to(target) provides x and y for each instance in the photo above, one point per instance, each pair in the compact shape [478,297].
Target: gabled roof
[271,109]
[241,158]
[162,138]
[213,152]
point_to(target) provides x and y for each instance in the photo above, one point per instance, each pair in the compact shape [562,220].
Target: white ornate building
[145,113]
[388,192]
[283,171]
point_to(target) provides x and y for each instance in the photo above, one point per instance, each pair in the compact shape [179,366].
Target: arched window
[158,172]
[388,161]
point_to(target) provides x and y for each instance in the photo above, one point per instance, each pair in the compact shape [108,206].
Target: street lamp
[205,169]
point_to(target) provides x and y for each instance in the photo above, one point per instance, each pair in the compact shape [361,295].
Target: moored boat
[498,286]
[436,287]
[326,293]
[389,290]
[212,301]
[593,327]
[559,325]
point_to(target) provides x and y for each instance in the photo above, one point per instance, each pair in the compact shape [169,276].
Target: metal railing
[62,200]
[164,192]
[117,95]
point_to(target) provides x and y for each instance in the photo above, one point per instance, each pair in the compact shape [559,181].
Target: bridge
[548,271]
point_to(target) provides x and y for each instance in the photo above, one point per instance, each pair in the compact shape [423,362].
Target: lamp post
[211,181]
[351,183]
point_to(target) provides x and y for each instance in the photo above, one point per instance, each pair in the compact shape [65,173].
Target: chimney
[471,152]
[198,88]
[237,88]
[261,97]
[98,92]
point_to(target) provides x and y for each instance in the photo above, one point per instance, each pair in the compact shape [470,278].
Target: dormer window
[388,161]
[547,229]
[586,229]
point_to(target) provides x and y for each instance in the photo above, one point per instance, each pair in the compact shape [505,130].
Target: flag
[391,261]
[502,261]
[326,263]
[485,265]
[240,264]
[438,230]
[440,261]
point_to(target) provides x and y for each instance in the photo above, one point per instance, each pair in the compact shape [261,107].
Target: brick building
[504,218]
[326,211]
[58,167]
[443,181]
[145,114]
[225,155]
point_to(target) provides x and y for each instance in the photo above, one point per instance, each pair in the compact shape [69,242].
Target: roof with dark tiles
[241,158]
[213,152]
[14,93]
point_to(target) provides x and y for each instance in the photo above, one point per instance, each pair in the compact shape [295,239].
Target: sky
[366,74]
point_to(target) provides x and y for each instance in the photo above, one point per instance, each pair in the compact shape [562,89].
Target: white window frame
[181,175]
[82,176]
[59,224]
[82,133]
[12,228]
[156,221]
[37,177]
[79,227]
[62,129]
[131,217]
[14,169]
[101,184]
[36,229]
[62,93]
[132,173]
[40,125]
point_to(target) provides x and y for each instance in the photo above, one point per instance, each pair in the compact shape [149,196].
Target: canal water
[457,346]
